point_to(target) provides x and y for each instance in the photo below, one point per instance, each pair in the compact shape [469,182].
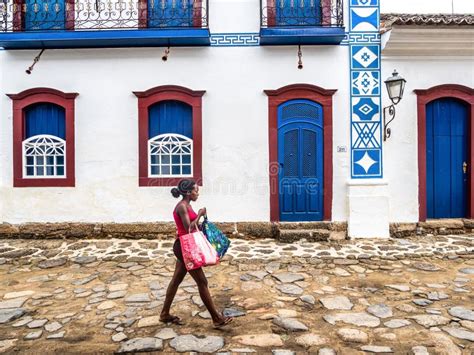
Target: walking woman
[187,220]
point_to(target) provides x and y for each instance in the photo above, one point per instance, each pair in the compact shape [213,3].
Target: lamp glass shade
[395,87]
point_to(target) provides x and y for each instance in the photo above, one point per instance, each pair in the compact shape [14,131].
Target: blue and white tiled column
[368,200]
[366,132]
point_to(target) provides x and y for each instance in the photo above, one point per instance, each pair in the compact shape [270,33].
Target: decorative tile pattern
[364,19]
[235,39]
[365,57]
[364,38]
[364,2]
[365,83]
[364,135]
[364,51]
[367,163]
[365,109]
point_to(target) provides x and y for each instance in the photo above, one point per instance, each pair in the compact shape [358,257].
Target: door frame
[294,92]
[424,97]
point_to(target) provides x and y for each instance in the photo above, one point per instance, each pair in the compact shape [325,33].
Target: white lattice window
[44,156]
[170,155]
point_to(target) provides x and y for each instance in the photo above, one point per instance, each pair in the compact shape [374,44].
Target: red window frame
[164,93]
[20,102]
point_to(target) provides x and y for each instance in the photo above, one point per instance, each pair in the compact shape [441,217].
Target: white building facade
[104,126]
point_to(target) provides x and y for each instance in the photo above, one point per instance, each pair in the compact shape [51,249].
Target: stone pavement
[402,296]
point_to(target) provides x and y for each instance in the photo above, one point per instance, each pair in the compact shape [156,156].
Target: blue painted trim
[112,38]
[244,39]
[305,35]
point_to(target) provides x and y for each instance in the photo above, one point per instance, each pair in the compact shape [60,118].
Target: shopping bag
[217,239]
[197,251]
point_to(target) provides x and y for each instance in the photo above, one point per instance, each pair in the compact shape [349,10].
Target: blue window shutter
[170,117]
[45,118]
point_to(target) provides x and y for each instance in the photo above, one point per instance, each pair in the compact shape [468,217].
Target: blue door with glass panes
[170,13]
[297,12]
[447,143]
[301,160]
[45,15]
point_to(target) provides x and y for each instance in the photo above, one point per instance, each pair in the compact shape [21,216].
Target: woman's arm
[183,214]
[195,224]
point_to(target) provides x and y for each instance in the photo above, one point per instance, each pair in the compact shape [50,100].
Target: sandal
[226,321]
[172,319]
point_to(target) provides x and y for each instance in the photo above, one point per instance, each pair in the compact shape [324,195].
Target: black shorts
[177,250]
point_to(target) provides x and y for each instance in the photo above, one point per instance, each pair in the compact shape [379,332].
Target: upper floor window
[297,12]
[42,15]
[291,13]
[170,135]
[43,138]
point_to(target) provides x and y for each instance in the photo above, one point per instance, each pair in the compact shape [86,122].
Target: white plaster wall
[235,122]
[401,149]
[235,127]
[427,6]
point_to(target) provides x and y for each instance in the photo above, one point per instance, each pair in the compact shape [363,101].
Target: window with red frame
[43,138]
[170,135]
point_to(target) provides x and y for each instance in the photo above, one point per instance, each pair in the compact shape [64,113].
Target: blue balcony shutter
[45,118]
[170,13]
[298,12]
[45,15]
[170,117]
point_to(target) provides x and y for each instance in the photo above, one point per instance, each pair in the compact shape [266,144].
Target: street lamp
[395,86]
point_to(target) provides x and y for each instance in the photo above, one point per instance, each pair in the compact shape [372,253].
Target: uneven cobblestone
[404,296]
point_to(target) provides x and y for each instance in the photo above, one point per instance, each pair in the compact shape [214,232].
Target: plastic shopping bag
[217,239]
[197,251]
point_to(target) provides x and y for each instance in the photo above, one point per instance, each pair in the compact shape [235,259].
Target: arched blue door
[447,158]
[300,155]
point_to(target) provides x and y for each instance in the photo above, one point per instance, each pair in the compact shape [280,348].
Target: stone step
[311,235]
[305,225]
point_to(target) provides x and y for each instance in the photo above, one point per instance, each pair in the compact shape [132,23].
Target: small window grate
[300,110]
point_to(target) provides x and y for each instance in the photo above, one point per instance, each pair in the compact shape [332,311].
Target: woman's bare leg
[178,276]
[201,281]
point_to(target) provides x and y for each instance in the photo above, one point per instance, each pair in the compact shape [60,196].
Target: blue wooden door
[45,15]
[446,152]
[300,156]
[170,13]
[298,12]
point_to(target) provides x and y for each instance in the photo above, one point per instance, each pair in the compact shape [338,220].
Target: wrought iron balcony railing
[300,13]
[83,15]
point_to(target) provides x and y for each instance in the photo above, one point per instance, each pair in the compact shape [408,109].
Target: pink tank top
[179,223]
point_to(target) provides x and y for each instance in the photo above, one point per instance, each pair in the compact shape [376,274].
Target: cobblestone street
[402,296]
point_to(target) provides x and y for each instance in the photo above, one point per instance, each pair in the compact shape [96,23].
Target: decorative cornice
[169,88]
[37,91]
[452,90]
[307,87]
